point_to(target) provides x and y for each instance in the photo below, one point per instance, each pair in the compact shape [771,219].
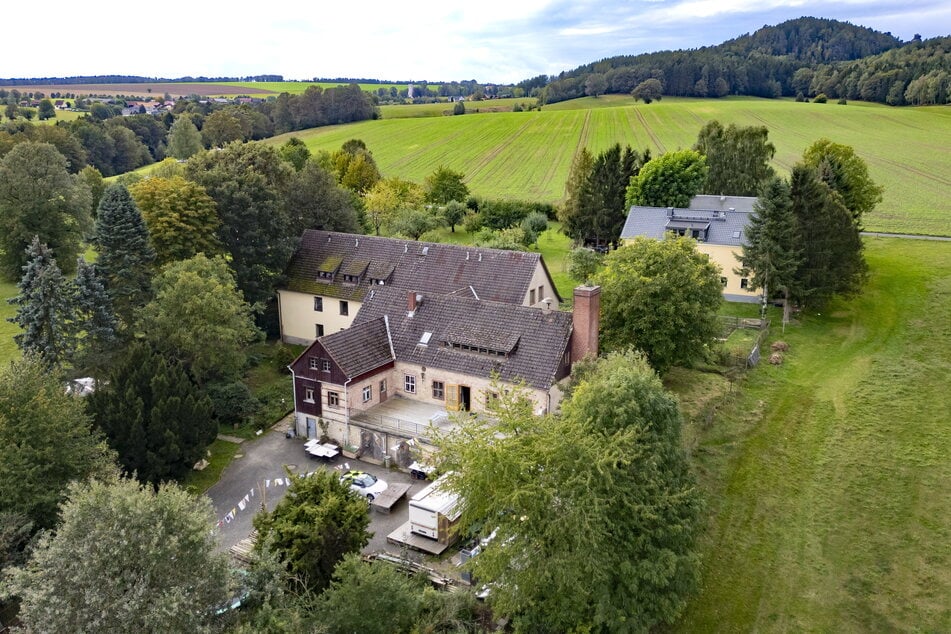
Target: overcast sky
[436,40]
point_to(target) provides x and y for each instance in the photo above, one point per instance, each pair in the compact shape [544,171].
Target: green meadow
[527,155]
[828,478]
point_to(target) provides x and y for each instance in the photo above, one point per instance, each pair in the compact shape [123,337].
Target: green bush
[472,223]
[820,98]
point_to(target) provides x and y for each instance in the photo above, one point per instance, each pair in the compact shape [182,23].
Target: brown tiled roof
[360,348]
[493,274]
[533,341]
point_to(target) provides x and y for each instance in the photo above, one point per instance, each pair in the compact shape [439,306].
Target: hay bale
[779,346]
[776,358]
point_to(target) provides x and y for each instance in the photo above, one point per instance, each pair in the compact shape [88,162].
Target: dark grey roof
[360,348]
[532,341]
[711,202]
[493,274]
[726,226]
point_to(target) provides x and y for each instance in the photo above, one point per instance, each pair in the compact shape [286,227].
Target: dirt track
[143,90]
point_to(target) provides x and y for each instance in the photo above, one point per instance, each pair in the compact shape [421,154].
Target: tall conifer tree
[832,261]
[45,312]
[155,417]
[771,251]
[94,318]
[125,254]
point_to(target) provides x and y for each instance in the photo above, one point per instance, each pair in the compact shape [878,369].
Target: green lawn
[829,477]
[527,155]
[8,349]
[222,453]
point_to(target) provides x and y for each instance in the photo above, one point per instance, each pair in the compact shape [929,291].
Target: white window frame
[309,395]
[367,393]
[409,383]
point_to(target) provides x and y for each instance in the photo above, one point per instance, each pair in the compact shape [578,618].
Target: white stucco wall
[540,280]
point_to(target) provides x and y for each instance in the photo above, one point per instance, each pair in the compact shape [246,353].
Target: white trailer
[434,512]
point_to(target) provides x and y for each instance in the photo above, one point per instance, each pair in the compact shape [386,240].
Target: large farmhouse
[409,356]
[717,223]
[332,273]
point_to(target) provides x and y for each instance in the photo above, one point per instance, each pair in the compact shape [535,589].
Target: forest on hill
[798,58]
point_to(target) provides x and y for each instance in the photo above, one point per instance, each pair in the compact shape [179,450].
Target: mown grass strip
[827,476]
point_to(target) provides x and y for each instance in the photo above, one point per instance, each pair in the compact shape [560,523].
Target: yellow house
[332,273]
[717,223]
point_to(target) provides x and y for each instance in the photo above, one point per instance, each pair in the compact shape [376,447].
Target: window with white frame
[309,395]
[333,399]
[314,363]
[409,384]
[367,393]
[326,365]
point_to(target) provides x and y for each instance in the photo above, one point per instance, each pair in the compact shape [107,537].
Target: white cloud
[491,40]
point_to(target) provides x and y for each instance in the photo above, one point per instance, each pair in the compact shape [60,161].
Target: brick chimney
[413,300]
[585,322]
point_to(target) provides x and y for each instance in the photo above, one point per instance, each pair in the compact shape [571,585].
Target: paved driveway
[261,462]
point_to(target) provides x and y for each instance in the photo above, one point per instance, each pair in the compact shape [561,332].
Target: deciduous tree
[413,223]
[314,526]
[181,217]
[737,158]
[661,297]
[342,607]
[47,440]
[387,197]
[46,110]
[592,511]
[295,152]
[445,185]
[649,90]
[223,127]
[184,139]
[670,180]
[453,213]
[38,197]
[846,173]
[583,264]
[248,183]
[316,201]
[126,256]
[126,558]
[200,319]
